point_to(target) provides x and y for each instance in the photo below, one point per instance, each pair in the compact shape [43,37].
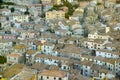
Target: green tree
[1,1]
[43,15]
[98,3]
[0,26]
[12,9]
[117,1]
[55,7]
[30,19]
[71,8]
[9,3]
[93,53]
[76,6]
[26,12]
[3,60]
[66,16]
[40,1]
[63,1]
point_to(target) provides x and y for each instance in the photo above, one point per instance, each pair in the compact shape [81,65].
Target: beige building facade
[53,75]
[55,14]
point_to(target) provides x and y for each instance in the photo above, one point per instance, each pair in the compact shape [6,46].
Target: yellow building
[46,1]
[3,79]
[39,47]
[55,14]
[56,2]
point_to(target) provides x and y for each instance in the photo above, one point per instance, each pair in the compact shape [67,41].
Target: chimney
[107,29]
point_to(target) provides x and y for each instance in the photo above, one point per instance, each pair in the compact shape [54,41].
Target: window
[105,63]
[96,61]
[47,77]
[85,74]
[54,78]
[41,78]
[86,71]
[60,78]
[14,58]
[44,50]
[64,67]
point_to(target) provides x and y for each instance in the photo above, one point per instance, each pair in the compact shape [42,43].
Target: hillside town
[59,39]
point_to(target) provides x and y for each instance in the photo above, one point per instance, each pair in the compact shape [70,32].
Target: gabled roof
[20,46]
[30,52]
[54,73]
[16,55]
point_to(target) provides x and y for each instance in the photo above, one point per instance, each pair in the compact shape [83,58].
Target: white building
[20,2]
[94,44]
[5,12]
[14,58]
[4,43]
[70,1]
[106,74]
[117,66]
[5,24]
[86,68]
[63,32]
[46,59]
[107,54]
[117,27]
[47,48]
[20,8]
[105,62]
[19,17]
[97,35]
